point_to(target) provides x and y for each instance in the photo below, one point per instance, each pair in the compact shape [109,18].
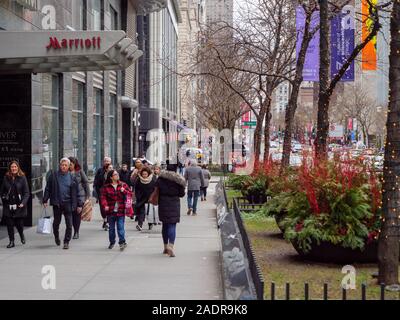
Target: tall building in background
[188,43]
[219,11]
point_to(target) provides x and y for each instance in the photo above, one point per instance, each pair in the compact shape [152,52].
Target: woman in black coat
[144,187]
[171,187]
[15,194]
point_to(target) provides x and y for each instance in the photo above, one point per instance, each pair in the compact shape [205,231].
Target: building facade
[158,90]
[83,107]
[188,43]
[219,11]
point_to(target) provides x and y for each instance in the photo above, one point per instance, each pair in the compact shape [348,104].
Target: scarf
[147,180]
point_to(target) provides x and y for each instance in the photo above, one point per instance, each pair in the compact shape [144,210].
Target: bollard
[287,291]
[364,291]
[306,291]
[325,291]
[273,291]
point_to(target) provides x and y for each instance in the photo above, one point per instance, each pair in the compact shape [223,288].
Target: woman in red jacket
[113,196]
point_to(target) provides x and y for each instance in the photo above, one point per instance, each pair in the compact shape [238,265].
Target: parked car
[296,147]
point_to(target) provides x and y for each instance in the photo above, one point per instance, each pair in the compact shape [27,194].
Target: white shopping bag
[45,224]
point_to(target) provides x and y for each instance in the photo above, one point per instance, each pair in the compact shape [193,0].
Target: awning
[129,103]
[65,51]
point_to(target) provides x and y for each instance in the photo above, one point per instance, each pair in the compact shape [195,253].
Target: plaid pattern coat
[110,196]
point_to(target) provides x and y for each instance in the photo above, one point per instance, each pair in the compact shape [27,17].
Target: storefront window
[113,127]
[78,113]
[97,128]
[50,112]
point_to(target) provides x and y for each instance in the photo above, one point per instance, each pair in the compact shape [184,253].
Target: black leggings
[140,213]
[14,222]
[76,221]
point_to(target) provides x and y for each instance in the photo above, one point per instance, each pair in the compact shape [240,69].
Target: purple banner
[343,42]
[311,65]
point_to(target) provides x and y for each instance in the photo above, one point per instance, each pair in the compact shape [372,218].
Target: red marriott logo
[79,43]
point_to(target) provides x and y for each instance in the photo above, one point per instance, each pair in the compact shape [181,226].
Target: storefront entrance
[16,126]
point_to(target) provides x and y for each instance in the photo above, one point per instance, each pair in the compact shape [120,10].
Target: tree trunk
[291,108]
[388,249]
[289,119]
[268,117]
[258,137]
[324,71]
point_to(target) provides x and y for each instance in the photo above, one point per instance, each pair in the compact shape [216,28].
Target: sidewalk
[88,270]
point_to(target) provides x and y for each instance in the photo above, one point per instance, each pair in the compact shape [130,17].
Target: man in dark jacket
[171,187]
[62,189]
[98,183]
[125,174]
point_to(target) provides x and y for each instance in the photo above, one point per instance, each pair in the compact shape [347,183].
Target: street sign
[250,123]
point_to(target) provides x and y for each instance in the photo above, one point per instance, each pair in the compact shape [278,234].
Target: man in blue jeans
[195,181]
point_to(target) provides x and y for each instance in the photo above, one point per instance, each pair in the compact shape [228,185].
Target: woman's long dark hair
[76,163]
[109,176]
[20,173]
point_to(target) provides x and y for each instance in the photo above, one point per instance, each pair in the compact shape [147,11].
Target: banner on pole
[311,65]
[369,55]
[343,42]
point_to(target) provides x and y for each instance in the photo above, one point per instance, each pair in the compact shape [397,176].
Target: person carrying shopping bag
[144,187]
[15,195]
[113,199]
[62,190]
[84,192]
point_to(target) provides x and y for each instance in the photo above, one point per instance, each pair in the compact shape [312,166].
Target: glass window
[97,12]
[113,128]
[50,113]
[114,19]
[78,115]
[17,8]
[97,128]
[79,14]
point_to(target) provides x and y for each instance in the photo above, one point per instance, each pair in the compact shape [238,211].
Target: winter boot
[171,251]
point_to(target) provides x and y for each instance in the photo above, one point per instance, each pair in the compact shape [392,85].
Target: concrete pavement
[88,270]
